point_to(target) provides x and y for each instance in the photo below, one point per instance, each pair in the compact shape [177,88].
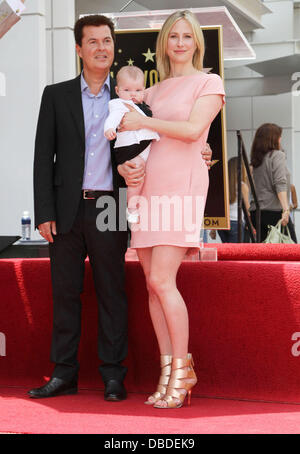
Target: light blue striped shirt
[97,168]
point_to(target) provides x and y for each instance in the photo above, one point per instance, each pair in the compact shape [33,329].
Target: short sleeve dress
[173,197]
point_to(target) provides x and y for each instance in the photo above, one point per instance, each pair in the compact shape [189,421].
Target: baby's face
[131,89]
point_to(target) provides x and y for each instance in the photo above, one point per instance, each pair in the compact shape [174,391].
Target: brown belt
[90,194]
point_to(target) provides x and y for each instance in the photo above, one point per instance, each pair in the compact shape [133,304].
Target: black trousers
[271,218]
[106,251]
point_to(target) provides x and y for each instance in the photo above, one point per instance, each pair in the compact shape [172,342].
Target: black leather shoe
[114,391]
[55,387]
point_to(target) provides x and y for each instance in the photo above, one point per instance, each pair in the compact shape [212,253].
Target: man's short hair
[94,20]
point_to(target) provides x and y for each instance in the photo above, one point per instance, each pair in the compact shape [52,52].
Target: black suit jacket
[60,155]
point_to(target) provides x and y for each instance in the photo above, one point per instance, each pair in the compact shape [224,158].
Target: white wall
[61,55]
[23,62]
[279,26]
[37,51]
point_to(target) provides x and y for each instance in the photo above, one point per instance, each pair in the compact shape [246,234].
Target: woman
[184,104]
[270,178]
[231,236]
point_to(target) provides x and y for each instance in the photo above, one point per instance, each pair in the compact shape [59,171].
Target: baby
[131,146]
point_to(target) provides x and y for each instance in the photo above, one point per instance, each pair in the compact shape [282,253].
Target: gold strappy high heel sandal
[183,377]
[165,364]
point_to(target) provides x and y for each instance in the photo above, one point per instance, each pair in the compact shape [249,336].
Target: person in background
[292,198]
[294,201]
[268,165]
[231,236]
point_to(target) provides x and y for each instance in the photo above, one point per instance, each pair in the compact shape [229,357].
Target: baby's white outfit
[117,109]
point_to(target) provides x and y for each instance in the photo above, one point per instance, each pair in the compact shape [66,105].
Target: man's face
[97,49]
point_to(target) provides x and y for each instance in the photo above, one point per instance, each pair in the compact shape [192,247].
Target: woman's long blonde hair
[162,59]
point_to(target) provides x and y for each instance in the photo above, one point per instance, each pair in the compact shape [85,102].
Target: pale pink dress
[175,188]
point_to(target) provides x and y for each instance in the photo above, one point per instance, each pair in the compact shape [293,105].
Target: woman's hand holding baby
[132,120]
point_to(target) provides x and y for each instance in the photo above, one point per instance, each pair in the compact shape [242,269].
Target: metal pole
[258,221]
[125,6]
[257,207]
[239,188]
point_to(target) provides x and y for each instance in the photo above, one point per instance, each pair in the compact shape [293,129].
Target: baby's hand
[110,134]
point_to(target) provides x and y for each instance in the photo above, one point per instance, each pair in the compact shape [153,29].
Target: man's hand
[110,134]
[132,174]
[47,229]
[206,155]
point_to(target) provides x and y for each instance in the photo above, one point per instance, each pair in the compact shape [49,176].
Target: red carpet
[265,252]
[248,251]
[244,313]
[88,413]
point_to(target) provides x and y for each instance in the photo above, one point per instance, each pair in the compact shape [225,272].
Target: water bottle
[26,226]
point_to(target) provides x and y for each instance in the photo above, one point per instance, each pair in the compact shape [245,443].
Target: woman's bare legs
[167,308]
[165,262]
[157,316]
[156,312]
[164,267]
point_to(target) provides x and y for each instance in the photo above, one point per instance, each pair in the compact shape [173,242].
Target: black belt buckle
[85,192]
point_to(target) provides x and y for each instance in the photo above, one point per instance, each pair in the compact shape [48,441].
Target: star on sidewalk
[149,55]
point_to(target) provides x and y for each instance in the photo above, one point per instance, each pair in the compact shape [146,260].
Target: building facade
[40,50]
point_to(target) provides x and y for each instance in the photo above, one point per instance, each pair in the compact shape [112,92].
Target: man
[73,167]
